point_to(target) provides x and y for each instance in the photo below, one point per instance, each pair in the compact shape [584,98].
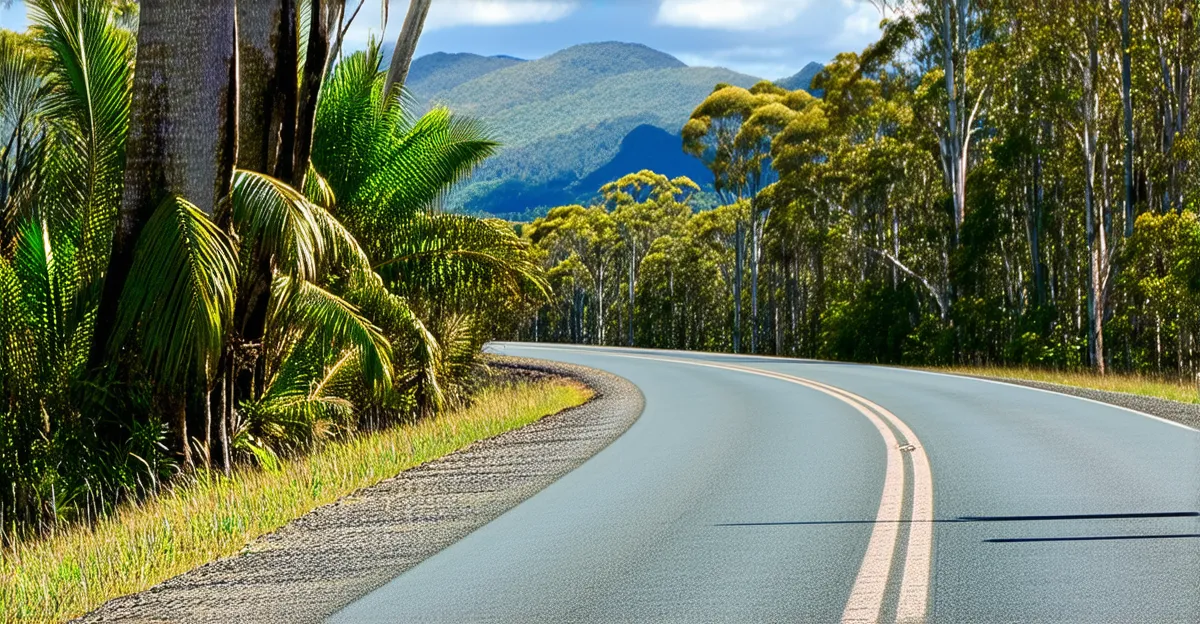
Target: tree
[645,207]
[406,43]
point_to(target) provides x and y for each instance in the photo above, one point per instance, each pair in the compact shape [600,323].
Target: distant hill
[571,121]
[648,147]
[439,72]
[803,79]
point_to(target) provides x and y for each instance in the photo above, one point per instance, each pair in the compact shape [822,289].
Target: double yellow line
[869,592]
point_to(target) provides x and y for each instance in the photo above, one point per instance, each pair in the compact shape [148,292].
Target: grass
[1160,387]
[78,569]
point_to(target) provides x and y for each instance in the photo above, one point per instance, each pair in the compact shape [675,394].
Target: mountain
[648,147]
[569,122]
[803,79]
[439,72]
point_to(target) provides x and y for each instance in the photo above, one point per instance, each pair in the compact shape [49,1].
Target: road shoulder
[1186,414]
[337,553]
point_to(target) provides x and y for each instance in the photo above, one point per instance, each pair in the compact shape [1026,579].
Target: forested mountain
[561,118]
[438,72]
[803,79]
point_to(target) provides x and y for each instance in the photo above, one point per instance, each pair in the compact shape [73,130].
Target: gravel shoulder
[326,559]
[1187,414]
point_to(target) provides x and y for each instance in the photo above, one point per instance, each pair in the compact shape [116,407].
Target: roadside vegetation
[999,184]
[235,279]
[1170,388]
[209,515]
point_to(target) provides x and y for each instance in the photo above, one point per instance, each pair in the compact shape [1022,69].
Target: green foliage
[180,294]
[899,217]
[873,326]
[287,318]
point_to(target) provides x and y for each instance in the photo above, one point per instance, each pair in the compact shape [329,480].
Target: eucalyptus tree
[589,237]
[732,131]
[645,206]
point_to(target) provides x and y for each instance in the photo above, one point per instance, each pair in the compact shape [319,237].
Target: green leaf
[180,294]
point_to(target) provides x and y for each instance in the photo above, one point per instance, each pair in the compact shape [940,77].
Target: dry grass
[77,570]
[1163,388]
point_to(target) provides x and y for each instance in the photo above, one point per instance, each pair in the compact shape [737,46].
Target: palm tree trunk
[182,132]
[406,44]
[267,80]
[316,56]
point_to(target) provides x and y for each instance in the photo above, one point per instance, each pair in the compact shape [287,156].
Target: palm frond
[300,308]
[317,189]
[382,166]
[92,74]
[180,294]
[300,236]
[23,97]
[18,347]
[442,256]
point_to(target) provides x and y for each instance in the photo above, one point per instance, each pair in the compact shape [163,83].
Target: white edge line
[868,592]
[586,348]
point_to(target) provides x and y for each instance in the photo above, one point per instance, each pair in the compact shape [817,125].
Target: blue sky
[765,38]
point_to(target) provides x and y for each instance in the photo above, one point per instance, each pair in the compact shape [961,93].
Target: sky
[764,38]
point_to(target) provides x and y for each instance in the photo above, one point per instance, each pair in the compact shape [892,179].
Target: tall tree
[406,43]
[182,137]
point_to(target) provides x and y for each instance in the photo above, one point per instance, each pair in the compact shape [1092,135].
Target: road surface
[771,490]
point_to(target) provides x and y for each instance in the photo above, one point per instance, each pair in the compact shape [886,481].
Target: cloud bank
[730,14]
[451,13]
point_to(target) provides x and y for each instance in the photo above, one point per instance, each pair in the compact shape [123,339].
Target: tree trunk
[631,280]
[1127,108]
[755,235]
[182,138]
[954,156]
[1095,236]
[406,44]
[267,80]
[737,287]
[316,56]
[182,130]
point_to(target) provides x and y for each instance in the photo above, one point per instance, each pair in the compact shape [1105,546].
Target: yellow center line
[870,586]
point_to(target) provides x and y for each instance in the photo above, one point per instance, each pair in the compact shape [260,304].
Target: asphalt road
[770,490]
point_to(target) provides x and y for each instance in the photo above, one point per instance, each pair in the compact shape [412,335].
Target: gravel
[1187,414]
[326,559]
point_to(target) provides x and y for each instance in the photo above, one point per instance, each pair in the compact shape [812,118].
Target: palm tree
[253,314]
[64,168]
[388,172]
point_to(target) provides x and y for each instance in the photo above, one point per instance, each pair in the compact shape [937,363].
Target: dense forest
[220,243]
[1003,183]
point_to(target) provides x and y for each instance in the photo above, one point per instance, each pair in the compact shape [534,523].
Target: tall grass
[212,516]
[1173,389]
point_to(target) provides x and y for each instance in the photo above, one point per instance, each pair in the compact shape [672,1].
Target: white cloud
[763,62]
[449,13]
[860,27]
[730,14]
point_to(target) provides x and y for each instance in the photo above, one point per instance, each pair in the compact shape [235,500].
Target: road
[771,490]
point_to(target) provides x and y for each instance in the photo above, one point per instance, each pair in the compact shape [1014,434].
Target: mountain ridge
[564,120]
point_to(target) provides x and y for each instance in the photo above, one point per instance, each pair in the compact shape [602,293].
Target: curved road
[771,490]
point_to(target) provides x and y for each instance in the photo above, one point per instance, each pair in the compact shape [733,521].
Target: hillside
[803,79]
[570,70]
[648,147]
[563,119]
[438,72]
